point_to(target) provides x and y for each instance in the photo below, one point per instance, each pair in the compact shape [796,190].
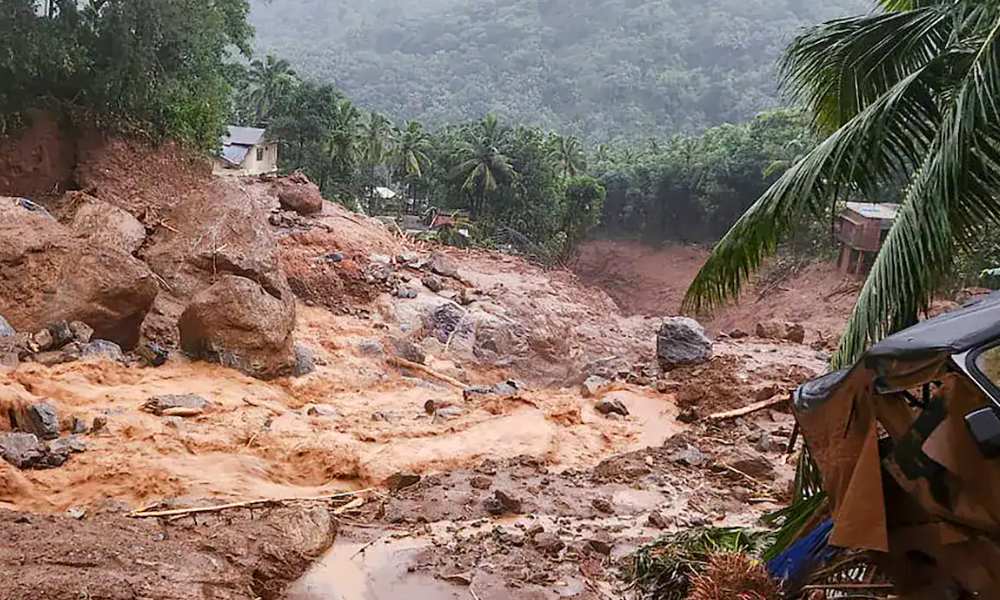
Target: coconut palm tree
[481,163]
[567,155]
[343,144]
[907,97]
[375,152]
[270,79]
[409,152]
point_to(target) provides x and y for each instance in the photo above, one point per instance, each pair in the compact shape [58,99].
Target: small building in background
[861,230]
[246,151]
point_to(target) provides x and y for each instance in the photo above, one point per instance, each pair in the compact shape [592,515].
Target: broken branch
[249,503]
[746,410]
[402,362]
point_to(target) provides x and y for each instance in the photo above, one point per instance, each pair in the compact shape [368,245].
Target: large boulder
[101,223]
[222,230]
[237,323]
[297,193]
[48,275]
[682,341]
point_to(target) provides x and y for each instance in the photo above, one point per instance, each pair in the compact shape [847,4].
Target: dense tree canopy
[153,68]
[596,69]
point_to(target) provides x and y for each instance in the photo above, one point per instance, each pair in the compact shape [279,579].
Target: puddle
[655,416]
[381,572]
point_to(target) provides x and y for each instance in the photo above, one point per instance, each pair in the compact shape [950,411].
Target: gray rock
[658,521]
[5,328]
[481,482]
[603,505]
[334,256]
[42,419]
[43,340]
[690,456]
[757,467]
[369,347]
[152,354]
[401,480]
[9,359]
[102,349]
[75,512]
[592,386]
[406,293]
[766,444]
[448,412]
[81,331]
[602,543]
[441,264]
[158,404]
[682,341]
[493,506]
[795,332]
[304,361]
[23,450]
[407,350]
[549,543]
[61,334]
[472,392]
[738,334]
[689,415]
[508,501]
[433,283]
[607,406]
[444,321]
[100,424]
[69,353]
[381,259]
[407,257]
[508,388]
[78,425]
[67,445]
[321,410]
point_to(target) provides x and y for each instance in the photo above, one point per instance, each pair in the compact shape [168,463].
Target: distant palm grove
[542,122]
[600,70]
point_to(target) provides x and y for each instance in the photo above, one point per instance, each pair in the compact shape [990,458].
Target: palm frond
[950,197]
[840,67]
[877,146]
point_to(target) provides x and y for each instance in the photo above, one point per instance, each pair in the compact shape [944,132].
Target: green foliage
[693,189]
[908,96]
[151,68]
[597,69]
[662,569]
[582,212]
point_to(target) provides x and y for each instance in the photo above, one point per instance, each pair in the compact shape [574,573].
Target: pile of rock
[56,343]
[777,330]
[34,442]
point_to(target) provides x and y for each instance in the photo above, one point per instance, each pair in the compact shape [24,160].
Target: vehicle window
[988,363]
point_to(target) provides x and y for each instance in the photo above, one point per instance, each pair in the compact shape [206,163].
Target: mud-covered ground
[530,494]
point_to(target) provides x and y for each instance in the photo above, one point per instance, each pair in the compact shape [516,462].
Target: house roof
[244,136]
[882,212]
[235,154]
[385,193]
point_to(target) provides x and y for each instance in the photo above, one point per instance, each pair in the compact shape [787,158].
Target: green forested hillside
[600,69]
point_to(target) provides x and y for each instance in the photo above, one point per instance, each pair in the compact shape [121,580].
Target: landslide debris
[227,556]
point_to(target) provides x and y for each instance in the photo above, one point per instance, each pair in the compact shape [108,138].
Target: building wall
[251,165]
[261,159]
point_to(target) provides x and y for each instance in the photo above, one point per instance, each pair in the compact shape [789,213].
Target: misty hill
[598,68]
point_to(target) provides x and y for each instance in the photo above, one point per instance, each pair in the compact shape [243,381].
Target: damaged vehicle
[907,442]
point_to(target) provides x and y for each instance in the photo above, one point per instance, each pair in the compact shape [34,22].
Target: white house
[246,151]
